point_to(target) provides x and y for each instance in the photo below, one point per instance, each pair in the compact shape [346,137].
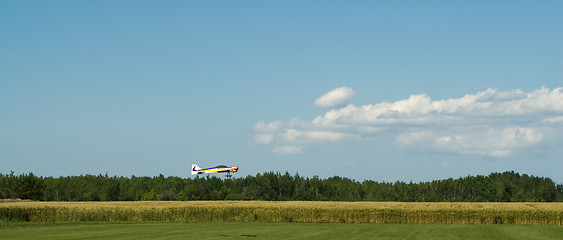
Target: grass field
[304,212]
[166,230]
[279,220]
[303,204]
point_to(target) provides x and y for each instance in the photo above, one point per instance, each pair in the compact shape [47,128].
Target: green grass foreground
[166,230]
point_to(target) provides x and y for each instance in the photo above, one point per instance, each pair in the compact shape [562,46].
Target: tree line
[274,186]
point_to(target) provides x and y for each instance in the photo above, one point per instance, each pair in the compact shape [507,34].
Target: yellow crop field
[290,211]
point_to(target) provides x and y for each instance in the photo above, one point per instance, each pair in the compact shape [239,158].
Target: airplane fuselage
[217,169]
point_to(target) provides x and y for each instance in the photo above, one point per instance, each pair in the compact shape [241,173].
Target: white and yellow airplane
[217,169]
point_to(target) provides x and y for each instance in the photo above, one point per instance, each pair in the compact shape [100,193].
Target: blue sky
[381,90]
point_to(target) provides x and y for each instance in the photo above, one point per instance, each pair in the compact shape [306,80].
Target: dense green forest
[270,186]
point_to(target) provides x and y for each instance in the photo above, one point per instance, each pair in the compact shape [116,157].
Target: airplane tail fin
[194,169]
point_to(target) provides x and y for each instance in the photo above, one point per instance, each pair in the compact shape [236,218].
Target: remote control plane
[217,169]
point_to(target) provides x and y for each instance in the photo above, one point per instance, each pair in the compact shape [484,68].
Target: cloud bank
[488,123]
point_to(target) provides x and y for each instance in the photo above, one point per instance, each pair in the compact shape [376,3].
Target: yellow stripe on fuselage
[216,170]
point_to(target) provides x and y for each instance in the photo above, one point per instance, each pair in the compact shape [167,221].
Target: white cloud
[488,123]
[295,135]
[335,98]
[288,149]
[421,109]
[483,141]
[261,138]
[267,128]
[554,119]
